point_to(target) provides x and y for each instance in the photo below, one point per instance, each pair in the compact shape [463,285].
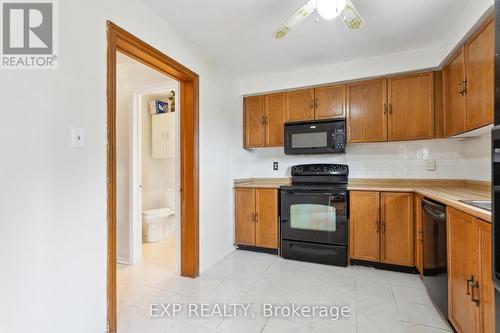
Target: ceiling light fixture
[330,9]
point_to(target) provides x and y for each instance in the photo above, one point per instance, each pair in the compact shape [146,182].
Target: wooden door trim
[123,41]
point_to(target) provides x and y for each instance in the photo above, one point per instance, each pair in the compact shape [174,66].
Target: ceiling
[239,33]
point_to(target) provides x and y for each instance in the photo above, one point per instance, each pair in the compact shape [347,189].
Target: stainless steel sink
[484,204]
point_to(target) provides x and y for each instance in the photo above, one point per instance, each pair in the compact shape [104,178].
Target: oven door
[314,215]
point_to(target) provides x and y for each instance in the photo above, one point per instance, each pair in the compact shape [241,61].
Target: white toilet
[159,223]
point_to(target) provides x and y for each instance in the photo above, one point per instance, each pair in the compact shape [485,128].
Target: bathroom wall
[157,174]
[467,158]
[131,76]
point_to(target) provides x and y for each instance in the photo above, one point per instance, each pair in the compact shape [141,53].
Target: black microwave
[315,137]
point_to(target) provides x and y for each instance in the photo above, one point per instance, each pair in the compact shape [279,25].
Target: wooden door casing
[364,225]
[300,105]
[329,102]
[411,107]
[454,98]
[275,108]
[254,130]
[367,111]
[463,242]
[244,203]
[266,226]
[479,58]
[397,228]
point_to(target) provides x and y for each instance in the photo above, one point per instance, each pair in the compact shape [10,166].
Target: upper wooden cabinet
[256,217]
[329,102]
[275,107]
[480,75]
[468,84]
[470,285]
[411,107]
[366,111]
[300,105]
[381,227]
[253,121]
[263,120]
[453,94]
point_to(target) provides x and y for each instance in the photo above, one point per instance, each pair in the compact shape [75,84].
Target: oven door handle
[309,192]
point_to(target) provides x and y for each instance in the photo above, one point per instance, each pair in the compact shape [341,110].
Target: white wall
[53,198]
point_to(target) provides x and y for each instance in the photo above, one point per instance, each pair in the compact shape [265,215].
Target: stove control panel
[320,170]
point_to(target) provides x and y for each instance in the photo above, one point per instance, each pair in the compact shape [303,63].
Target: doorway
[121,41]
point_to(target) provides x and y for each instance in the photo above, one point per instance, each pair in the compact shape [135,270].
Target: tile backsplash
[467,158]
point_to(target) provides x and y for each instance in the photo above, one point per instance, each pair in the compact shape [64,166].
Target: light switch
[430,165]
[77,137]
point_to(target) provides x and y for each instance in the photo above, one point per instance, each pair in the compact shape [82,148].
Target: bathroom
[147,175]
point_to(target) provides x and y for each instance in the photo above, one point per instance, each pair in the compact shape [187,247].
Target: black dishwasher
[435,258]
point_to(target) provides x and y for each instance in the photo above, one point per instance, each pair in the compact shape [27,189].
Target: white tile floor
[380,301]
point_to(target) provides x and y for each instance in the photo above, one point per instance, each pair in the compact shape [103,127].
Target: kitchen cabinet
[364,224]
[410,113]
[254,131]
[453,94]
[469,84]
[480,75]
[263,120]
[329,102]
[163,135]
[274,118]
[396,240]
[381,227]
[470,286]
[367,111]
[300,105]
[418,235]
[256,217]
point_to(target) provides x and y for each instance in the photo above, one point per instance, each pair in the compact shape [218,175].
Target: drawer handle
[469,283]
[475,286]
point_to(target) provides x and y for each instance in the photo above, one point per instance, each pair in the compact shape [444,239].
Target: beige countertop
[448,192]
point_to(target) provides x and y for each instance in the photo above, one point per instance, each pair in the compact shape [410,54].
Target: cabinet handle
[316,103]
[256,217]
[385,108]
[475,286]
[383,227]
[390,108]
[311,104]
[253,217]
[463,87]
[469,282]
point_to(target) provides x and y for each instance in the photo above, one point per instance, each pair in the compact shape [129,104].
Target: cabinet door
[366,111]
[397,228]
[419,241]
[300,105]
[275,106]
[266,227]
[463,244]
[364,226]
[329,102]
[487,292]
[480,85]
[159,143]
[254,130]
[244,203]
[454,98]
[411,107]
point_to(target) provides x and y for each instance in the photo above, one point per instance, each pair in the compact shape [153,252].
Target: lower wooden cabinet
[256,217]
[470,285]
[381,227]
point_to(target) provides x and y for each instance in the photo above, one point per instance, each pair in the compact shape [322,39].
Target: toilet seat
[157,212]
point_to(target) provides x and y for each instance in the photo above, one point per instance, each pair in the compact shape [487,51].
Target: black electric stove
[314,214]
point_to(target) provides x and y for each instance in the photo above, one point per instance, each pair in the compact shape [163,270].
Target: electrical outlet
[430,165]
[275,165]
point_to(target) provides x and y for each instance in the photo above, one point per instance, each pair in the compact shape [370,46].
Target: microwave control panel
[338,136]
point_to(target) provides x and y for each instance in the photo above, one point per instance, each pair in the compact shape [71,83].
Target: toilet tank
[170,198]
